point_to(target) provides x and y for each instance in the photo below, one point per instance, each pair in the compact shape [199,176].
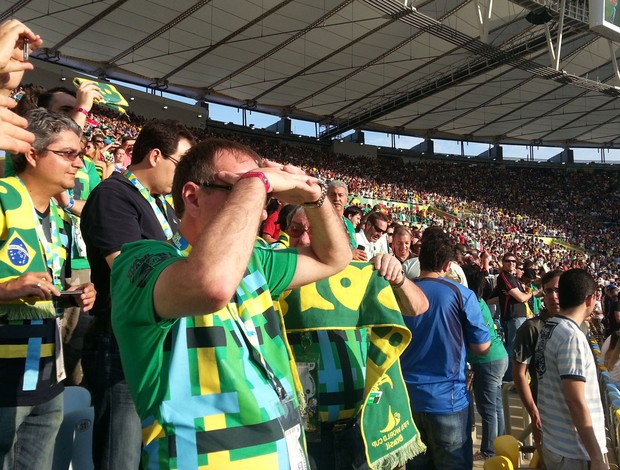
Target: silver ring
[38,285]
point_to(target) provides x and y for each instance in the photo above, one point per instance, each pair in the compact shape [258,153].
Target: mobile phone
[361,247]
[26,51]
[71,292]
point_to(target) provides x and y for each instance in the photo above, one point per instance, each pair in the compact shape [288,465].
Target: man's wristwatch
[402,281]
[258,174]
[321,200]
[68,207]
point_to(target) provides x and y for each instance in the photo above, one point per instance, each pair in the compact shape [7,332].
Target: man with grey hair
[35,246]
[338,194]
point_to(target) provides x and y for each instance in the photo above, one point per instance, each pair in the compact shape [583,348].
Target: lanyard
[129,176]
[51,251]
[248,332]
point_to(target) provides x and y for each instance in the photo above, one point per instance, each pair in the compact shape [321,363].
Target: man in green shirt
[203,349]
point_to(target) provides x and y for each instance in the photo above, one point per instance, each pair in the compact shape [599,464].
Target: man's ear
[446,266]
[190,198]
[153,157]
[31,157]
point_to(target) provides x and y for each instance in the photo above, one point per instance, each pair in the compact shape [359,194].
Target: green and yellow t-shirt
[197,382]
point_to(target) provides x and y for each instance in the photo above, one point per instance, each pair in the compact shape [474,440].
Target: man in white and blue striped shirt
[569,400]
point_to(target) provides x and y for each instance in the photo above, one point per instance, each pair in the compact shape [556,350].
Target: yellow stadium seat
[499,462]
[509,447]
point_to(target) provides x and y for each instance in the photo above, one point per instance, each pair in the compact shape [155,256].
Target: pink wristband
[260,175]
[83,111]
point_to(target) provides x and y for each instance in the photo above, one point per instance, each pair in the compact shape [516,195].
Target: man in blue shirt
[434,363]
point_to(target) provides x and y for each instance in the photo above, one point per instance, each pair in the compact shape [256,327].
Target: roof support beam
[558,51]
[283,44]
[488,102]
[224,40]
[614,63]
[482,65]
[87,25]
[484,9]
[187,13]
[550,45]
[13,9]
[374,61]
[323,59]
[489,57]
[587,40]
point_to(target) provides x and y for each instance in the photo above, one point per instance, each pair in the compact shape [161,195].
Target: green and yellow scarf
[20,249]
[358,299]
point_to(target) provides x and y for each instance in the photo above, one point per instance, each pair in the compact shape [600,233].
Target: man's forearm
[329,240]
[78,205]
[238,220]
[523,388]
[207,279]
[583,423]
[410,299]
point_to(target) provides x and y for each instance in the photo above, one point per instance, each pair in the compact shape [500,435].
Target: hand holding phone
[71,292]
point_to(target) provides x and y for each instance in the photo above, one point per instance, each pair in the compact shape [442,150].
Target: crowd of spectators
[524,210]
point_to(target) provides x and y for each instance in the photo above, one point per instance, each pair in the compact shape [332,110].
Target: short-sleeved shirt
[507,303]
[411,268]
[114,214]
[525,346]
[350,232]
[371,248]
[497,350]
[195,381]
[434,362]
[563,353]
[271,226]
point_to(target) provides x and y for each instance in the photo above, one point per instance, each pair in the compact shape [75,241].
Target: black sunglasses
[381,231]
[216,186]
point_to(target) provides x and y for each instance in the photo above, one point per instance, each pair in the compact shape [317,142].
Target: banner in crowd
[363,201]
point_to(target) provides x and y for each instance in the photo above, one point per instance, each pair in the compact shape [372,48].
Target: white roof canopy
[434,70]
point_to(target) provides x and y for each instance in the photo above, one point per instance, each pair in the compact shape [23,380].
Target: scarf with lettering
[354,300]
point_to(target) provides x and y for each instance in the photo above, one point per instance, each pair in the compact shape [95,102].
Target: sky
[511,152]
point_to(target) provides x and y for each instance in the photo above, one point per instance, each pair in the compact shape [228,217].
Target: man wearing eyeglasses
[372,238]
[203,347]
[512,304]
[298,228]
[35,248]
[126,207]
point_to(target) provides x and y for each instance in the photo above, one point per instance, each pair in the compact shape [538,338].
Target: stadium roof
[429,68]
